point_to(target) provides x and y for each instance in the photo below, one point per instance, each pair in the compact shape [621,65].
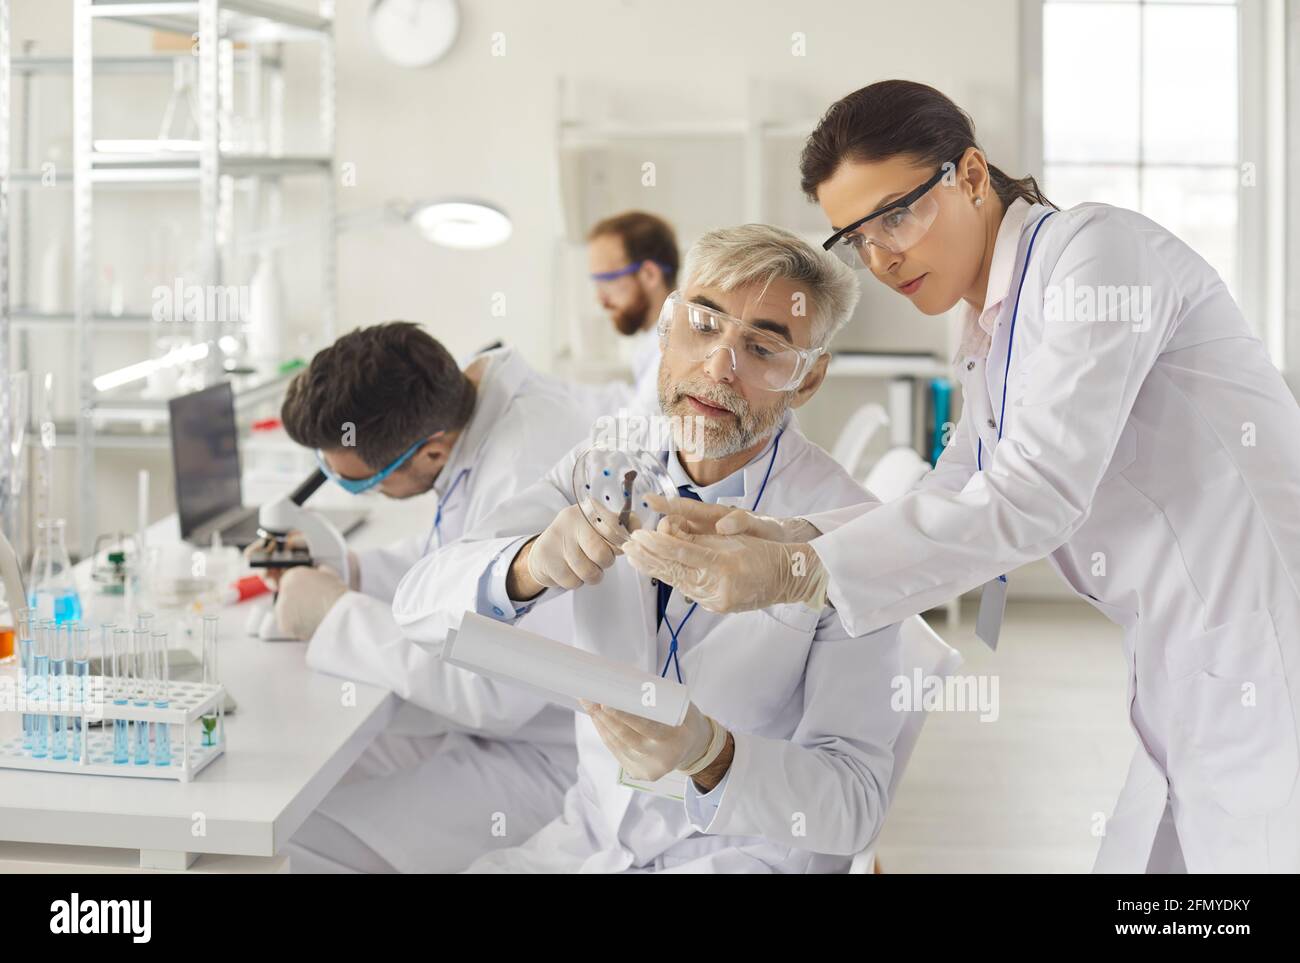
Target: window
[1140,109]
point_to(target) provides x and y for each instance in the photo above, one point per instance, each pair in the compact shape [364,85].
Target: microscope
[322,544]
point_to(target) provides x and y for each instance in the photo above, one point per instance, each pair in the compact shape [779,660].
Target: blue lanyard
[663,609]
[437,516]
[1011,340]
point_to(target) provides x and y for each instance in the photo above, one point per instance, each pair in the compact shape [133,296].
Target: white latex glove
[571,552]
[304,599]
[687,516]
[731,573]
[650,750]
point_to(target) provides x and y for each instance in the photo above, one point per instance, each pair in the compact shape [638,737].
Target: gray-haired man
[787,747]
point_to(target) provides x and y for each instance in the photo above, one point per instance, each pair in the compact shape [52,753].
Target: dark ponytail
[895,118]
[1009,188]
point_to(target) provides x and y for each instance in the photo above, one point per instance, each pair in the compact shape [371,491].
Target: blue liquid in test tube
[39,690]
[120,683]
[58,688]
[162,736]
[80,680]
[139,694]
[26,656]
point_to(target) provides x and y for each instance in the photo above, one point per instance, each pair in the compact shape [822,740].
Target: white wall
[481,125]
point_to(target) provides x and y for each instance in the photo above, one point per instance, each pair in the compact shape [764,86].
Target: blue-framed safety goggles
[358,485]
[607,276]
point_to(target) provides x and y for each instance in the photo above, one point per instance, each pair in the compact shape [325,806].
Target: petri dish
[610,485]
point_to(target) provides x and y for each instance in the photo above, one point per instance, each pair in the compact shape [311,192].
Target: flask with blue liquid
[52,590]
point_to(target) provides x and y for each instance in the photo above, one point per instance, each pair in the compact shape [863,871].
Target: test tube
[58,670]
[210,677]
[121,685]
[144,620]
[65,697]
[140,644]
[40,689]
[80,680]
[162,733]
[99,690]
[26,653]
[105,650]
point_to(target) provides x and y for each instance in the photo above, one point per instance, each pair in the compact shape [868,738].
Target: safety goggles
[605,278]
[759,357]
[895,227]
[358,485]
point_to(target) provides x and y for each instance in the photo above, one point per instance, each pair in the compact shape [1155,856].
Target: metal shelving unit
[104,420]
[8,505]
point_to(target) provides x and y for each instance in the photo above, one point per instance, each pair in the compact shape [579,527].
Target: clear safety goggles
[895,227]
[760,358]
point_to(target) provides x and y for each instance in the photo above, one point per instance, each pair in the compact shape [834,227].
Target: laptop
[205,461]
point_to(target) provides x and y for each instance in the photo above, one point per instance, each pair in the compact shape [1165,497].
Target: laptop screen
[205,455]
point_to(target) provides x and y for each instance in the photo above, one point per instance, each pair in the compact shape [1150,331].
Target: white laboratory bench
[291,738]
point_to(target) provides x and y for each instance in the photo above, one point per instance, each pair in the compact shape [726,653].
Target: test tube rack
[188,703]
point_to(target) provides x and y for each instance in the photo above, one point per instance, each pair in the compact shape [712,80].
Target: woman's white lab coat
[808,704]
[1152,452]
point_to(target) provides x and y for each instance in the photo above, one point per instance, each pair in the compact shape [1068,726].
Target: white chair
[895,473]
[923,649]
[856,434]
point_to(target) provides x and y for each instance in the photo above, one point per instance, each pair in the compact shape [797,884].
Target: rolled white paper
[561,672]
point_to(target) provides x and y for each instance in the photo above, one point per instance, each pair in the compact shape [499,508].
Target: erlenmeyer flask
[52,589]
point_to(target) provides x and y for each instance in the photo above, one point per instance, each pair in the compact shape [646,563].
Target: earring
[979,201]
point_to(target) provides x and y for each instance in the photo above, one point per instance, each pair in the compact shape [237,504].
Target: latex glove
[650,750]
[571,552]
[687,516]
[305,597]
[731,573]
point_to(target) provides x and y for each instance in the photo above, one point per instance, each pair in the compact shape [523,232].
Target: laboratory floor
[1023,793]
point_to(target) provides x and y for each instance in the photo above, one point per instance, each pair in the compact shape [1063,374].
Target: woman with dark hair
[1120,418]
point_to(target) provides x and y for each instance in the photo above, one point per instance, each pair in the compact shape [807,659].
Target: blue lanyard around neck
[1011,340]
[437,516]
[663,612]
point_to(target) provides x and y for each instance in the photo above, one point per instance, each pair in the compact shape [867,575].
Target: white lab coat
[639,397]
[521,424]
[1155,462]
[808,704]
